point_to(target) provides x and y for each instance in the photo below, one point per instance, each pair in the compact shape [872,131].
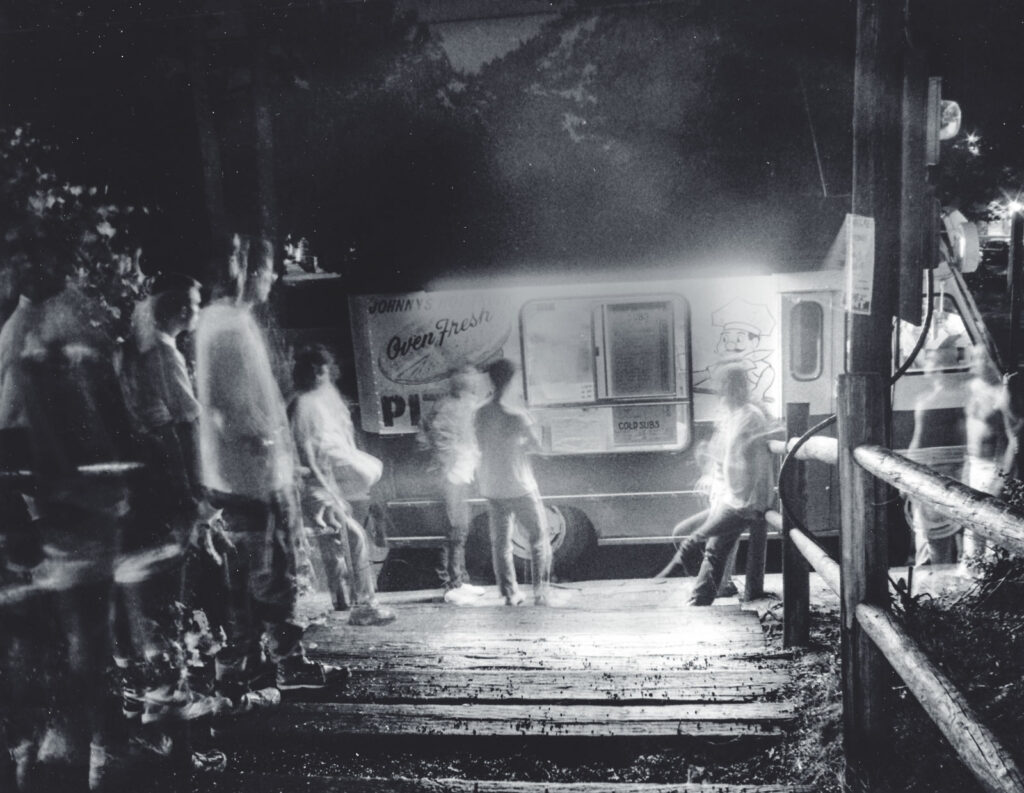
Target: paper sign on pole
[860,263]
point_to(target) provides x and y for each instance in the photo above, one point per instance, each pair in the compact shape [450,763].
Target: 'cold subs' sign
[408,346]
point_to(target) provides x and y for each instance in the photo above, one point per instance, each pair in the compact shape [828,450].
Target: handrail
[823,564]
[824,450]
[987,515]
[979,749]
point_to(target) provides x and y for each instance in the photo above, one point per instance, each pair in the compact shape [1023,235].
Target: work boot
[371,614]
[297,671]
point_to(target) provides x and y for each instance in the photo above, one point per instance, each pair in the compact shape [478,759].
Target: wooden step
[279,783]
[306,721]
[564,685]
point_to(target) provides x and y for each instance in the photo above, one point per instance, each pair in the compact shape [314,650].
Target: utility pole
[864,395]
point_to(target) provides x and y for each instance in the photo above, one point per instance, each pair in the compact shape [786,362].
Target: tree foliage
[98,236]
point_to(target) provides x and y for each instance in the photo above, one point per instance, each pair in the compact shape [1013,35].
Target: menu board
[558,345]
[638,343]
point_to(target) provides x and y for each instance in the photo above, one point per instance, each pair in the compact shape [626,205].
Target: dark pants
[261,574]
[503,513]
[718,532]
[453,551]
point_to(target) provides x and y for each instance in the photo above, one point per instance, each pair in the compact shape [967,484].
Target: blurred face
[323,375]
[190,314]
[261,273]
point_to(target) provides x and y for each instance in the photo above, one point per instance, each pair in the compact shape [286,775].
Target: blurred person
[32,276]
[506,435]
[739,489]
[989,448]
[336,470]
[248,469]
[76,416]
[449,435]
[170,512]
[935,535]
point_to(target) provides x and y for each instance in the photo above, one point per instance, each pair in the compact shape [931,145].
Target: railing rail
[979,750]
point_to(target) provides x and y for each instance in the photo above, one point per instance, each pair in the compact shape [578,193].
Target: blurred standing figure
[448,433]
[337,471]
[989,450]
[739,488]
[165,402]
[248,469]
[935,535]
[505,436]
[76,417]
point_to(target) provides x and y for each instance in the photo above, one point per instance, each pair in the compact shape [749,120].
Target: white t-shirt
[503,435]
[321,424]
[244,441]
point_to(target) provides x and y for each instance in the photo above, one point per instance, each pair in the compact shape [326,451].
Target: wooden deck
[608,659]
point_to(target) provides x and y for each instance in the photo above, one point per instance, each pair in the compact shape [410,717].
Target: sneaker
[728,590]
[515,599]
[163,704]
[371,614]
[260,699]
[543,599]
[460,596]
[210,762]
[297,671]
[471,589]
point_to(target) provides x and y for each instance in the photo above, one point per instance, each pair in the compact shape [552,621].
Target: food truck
[617,375]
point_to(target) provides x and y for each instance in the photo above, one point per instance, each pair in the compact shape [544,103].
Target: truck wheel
[573,542]
[478,551]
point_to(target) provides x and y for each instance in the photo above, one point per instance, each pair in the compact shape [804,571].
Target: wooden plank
[818,448]
[499,660]
[979,749]
[281,783]
[304,721]
[559,686]
[993,519]
[537,655]
[441,620]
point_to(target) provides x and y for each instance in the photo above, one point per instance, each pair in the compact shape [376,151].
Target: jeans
[262,577]
[453,552]
[719,531]
[503,513]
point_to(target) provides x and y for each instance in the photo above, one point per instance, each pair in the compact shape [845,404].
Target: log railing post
[862,402]
[795,571]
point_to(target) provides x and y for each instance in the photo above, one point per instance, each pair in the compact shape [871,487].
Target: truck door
[812,357]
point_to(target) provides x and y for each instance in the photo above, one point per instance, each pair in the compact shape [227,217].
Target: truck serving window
[638,357]
[806,340]
[592,350]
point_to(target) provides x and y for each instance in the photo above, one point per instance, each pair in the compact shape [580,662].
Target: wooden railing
[873,639]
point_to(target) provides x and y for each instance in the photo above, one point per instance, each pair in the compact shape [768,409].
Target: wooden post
[864,548]
[796,598]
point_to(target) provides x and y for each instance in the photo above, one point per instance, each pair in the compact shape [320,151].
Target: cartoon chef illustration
[744,326]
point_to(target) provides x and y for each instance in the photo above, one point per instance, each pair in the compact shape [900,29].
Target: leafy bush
[101,236]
